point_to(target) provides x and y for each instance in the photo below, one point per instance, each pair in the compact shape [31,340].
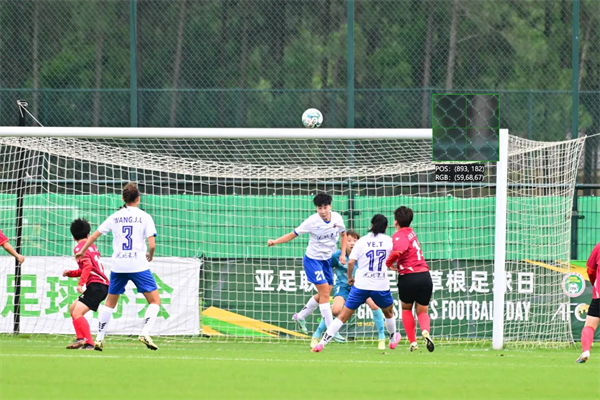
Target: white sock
[150,318]
[104,317]
[326,313]
[390,324]
[308,308]
[334,327]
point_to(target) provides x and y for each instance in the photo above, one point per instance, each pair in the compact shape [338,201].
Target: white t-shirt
[371,252]
[130,227]
[323,235]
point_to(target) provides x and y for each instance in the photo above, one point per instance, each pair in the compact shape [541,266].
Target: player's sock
[408,320]
[587,337]
[379,323]
[322,328]
[333,328]
[150,318]
[84,328]
[308,308]
[104,317]
[76,326]
[326,313]
[390,324]
[423,321]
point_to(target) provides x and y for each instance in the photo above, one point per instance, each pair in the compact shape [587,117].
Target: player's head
[403,216]
[80,229]
[131,194]
[323,203]
[379,224]
[352,239]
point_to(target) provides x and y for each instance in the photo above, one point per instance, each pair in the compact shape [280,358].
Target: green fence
[239,226]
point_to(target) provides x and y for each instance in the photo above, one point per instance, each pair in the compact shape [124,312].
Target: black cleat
[87,346]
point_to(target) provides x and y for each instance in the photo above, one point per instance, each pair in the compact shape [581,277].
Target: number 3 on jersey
[128,231]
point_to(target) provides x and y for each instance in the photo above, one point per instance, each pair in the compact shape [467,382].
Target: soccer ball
[312,118]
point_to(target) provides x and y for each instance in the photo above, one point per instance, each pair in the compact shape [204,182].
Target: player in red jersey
[92,278]
[414,281]
[593,315]
[9,249]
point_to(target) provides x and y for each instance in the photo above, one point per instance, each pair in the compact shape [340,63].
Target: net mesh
[217,202]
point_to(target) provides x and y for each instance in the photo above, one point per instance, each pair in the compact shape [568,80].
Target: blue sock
[322,328]
[379,323]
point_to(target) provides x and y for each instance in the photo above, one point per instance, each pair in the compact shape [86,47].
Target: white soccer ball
[312,118]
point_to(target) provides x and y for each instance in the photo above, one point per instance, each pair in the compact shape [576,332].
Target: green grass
[39,368]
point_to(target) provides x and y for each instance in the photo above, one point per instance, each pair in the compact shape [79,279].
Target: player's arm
[284,239]
[343,245]
[592,266]
[10,250]
[151,248]
[90,241]
[399,246]
[84,273]
[351,263]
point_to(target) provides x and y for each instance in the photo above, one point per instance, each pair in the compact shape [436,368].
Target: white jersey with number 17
[130,227]
[371,251]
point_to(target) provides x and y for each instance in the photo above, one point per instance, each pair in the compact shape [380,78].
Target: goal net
[216,202]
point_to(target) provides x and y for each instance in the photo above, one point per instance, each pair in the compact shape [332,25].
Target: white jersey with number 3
[130,227]
[370,252]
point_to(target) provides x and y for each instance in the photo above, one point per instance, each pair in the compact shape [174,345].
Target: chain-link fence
[260,63]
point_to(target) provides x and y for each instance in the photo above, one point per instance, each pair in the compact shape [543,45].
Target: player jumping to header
[341,292]
[370,252]
[593,315]
[324,227]
[92,278]
[414,281]
[131,227]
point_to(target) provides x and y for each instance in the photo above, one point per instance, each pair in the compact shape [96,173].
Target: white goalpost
[495,247]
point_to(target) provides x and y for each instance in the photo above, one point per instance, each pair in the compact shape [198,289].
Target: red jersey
[3,239]
[90,268]
[593,269]
[406,253]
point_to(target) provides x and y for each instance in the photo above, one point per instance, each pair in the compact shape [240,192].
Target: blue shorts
[318,271]
[358,297]
[341,290]
[143,281]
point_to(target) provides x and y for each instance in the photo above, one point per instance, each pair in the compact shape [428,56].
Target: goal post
[495,247]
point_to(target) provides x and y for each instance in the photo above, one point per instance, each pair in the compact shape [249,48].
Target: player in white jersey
[324,227]
[370,280]
[131,227]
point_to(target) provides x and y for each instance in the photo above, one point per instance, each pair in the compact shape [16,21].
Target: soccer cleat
[318,348]
[394,340]
[301,324]
[87,346]
[99,345]
[147,340]
[414,346]
[428,341]
[314,341]
[583,357]
[381,345]
[76,344]
[339,338]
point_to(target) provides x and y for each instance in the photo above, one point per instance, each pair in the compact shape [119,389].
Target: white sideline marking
[409,361]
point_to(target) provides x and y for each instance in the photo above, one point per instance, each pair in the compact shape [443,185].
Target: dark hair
[379,224]
[403,216]
[130,193]
[353,234]
[322,199]
[80,229]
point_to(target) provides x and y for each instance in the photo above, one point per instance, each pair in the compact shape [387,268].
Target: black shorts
[94,294]
[594,310]
[415,288]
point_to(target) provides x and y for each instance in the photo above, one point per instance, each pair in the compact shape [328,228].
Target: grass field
[41,368]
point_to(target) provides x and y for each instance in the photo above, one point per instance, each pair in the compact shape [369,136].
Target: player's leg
[379,322]
[116,287]
[82,325]
[80,338]
[407,298]
[355,299]
[146,284]
[424,288]
[316,276]
[94,294]
[385,301]
[338,303]
[587,334]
